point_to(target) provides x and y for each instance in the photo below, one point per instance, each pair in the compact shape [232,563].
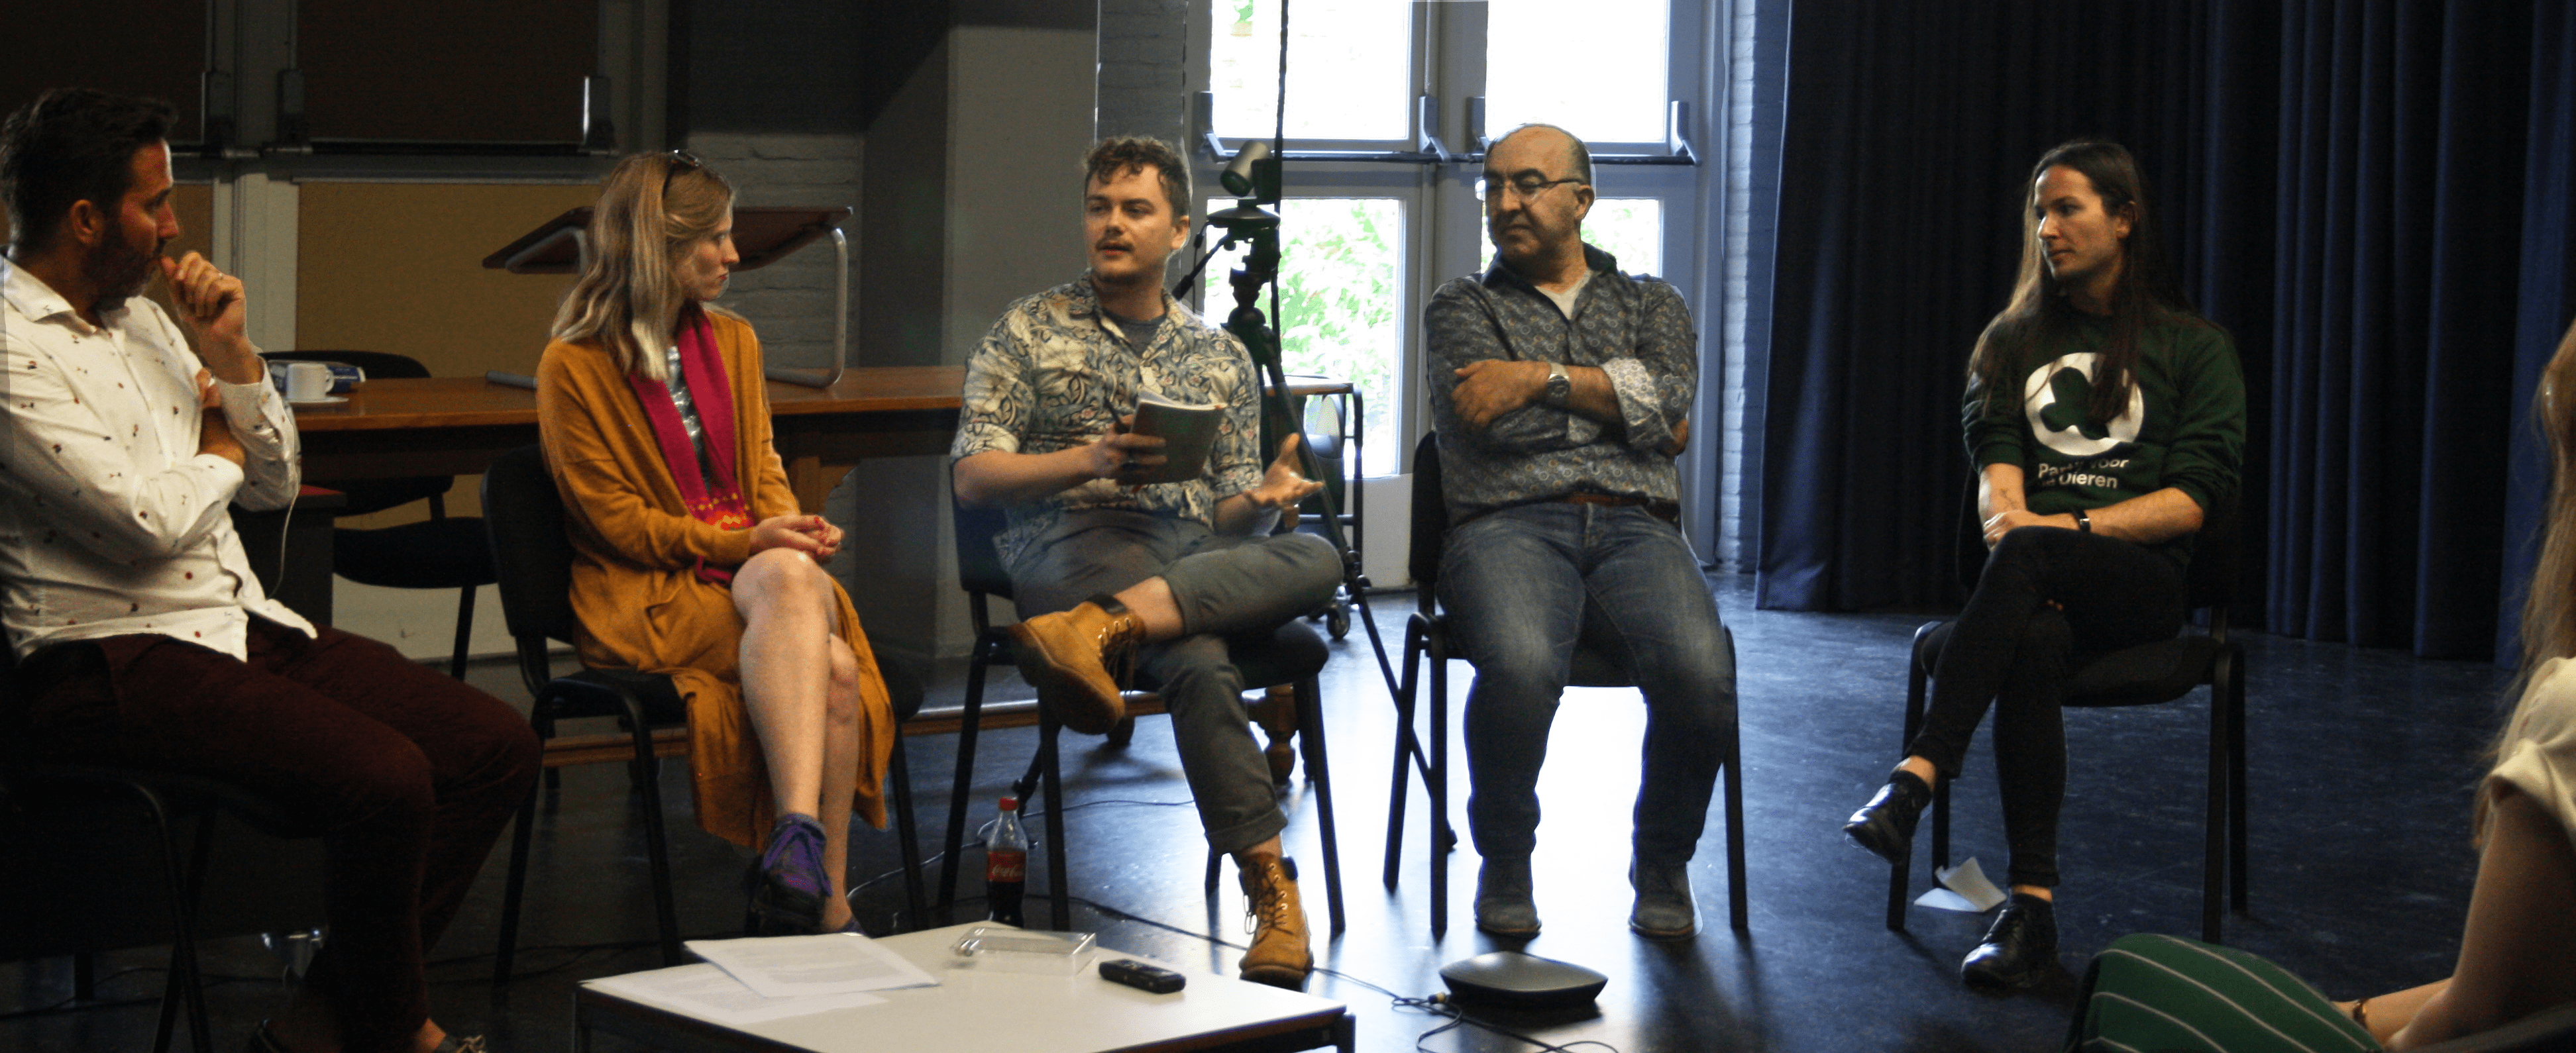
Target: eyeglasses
[1528,185]
[678,161]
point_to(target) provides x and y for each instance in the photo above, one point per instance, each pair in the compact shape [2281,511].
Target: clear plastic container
[1000,948]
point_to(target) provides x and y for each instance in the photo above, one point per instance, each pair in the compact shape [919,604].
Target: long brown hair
[651,209]
[2144,292]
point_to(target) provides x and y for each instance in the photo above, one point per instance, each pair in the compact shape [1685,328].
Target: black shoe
[2019,950]
[1504,903]
[1885,825]
[1664,909]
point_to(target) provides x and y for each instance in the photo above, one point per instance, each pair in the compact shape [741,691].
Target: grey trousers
[1225,587]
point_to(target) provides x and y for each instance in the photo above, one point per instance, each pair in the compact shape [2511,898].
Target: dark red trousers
[411,776]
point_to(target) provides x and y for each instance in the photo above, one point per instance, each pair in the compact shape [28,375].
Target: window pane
[1350,68]
[1339,261]
[1619,46]
[1630,228]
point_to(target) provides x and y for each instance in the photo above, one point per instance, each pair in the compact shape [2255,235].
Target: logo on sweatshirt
[2055,396]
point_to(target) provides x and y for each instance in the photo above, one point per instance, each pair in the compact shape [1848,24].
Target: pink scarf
[721,504]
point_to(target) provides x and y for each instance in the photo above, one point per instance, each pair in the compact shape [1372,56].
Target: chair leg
[1310,737]
[184,984]
[1214,861]
[1900,876]
[1060,899]
[986,648]
[464,630]
[914,897]
[665,913]
[1436,787]
[1739,908]
[514,891]
[2213,848]
[2236,795]
[1408,749]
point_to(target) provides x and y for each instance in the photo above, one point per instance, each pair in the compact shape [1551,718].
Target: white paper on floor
[832,963]
[1963,888]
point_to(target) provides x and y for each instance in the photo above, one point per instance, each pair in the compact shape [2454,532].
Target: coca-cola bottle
[1006,865]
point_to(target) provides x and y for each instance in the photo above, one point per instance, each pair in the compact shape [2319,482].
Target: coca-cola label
[1006,866]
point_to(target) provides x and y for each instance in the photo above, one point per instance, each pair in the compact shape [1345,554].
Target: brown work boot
[1068,656]
[1278,956]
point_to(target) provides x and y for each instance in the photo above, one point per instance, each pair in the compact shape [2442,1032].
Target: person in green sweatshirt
[2107,423]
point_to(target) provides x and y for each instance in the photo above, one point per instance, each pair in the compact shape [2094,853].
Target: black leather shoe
[1504,903]
[2019,950]
[1885,825]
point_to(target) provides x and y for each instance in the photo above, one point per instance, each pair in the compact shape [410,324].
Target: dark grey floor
[2362,765]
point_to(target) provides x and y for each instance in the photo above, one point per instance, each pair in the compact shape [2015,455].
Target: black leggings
[2011,647]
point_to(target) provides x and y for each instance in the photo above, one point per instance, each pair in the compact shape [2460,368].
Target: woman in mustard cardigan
[691,558]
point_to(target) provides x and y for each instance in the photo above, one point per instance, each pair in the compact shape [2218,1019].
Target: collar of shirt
[1497,275]
[1086,304]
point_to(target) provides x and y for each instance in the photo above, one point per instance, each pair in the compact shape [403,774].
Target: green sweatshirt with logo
[2184,427]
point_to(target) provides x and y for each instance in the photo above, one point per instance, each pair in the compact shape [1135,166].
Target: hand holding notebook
[1188,433]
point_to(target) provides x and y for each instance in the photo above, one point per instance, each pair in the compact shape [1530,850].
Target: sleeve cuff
[973,439]
[1634,386]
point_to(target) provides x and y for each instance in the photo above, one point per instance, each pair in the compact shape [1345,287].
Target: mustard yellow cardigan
[636,594]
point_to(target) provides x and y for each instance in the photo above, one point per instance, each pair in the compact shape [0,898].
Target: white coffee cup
[307,381]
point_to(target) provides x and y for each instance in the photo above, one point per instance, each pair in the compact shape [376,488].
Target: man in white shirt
[140,636]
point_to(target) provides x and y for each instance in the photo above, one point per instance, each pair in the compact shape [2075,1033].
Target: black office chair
[2147,674]
[534,557]
[436,553]
[86,850]
[1292,655]
[1597,663]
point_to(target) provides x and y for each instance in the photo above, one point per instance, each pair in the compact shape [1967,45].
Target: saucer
[326,400]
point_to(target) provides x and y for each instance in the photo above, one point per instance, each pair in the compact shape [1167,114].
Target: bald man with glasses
[1561,389]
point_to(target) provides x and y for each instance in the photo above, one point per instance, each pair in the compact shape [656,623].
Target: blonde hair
[651,209]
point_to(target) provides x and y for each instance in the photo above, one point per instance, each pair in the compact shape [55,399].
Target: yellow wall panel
[399,267]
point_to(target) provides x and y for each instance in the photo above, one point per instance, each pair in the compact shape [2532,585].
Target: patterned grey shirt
[1635,328]
[1050,375]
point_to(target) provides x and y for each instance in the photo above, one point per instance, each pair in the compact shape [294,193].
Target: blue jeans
[1522,586]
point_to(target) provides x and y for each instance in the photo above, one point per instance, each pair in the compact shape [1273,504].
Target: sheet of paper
[710,993]
[789,966]
[1963,888]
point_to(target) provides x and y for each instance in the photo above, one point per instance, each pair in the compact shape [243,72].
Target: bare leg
[1151,601]
[784,599]
[1270,847]
[840,777]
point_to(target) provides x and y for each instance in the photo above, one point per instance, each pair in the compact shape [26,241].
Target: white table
[973,1009]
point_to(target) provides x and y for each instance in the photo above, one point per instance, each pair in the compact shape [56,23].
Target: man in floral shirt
[1561,388]
[1102,564]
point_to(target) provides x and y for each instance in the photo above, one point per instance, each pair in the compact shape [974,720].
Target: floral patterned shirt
[1634,328]
[1051,375]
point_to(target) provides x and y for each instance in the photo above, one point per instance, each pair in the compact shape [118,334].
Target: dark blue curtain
[2371,196]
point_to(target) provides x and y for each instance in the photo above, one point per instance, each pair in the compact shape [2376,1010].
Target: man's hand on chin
[215,308]
[1494,387]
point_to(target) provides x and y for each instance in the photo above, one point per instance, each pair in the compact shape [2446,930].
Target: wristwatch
[1559,385]
[2083,522]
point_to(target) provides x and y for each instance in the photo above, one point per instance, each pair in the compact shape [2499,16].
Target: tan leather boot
[1279,956]
[1068,656]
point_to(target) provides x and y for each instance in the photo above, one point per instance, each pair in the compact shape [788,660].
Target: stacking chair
[2147,674]
[436,553]
[1597,663]
[87,853]
[1293,655]
[534,558]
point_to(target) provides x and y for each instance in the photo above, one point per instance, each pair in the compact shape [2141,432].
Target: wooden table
[391,429]
[982,1010]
